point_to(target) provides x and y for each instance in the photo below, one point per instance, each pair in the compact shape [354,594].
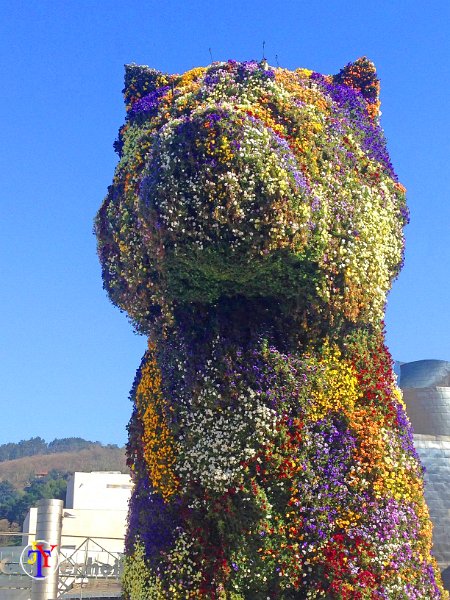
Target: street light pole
[48,528]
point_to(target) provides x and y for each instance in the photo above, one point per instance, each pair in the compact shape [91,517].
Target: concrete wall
[98,490]
[106,526]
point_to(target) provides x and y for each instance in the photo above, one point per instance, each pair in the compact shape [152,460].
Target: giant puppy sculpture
[252,232]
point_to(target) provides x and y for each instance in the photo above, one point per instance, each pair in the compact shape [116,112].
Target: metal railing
[87,569]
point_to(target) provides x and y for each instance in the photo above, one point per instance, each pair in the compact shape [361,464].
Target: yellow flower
[338,390]
[159,445]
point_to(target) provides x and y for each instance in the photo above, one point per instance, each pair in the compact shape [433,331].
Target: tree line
[37,445]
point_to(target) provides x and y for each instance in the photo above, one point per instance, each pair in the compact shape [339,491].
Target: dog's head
[240,179]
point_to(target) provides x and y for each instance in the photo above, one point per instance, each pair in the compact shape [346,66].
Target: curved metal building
[426,391]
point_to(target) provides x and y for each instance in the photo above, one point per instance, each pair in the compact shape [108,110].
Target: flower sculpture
[252,232]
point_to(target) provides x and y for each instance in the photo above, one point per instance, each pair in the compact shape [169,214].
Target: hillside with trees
[21,471]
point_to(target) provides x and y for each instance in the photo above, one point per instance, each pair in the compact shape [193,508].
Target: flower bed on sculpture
[252,232]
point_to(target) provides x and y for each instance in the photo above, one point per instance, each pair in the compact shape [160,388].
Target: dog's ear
[140,81]
[361,75]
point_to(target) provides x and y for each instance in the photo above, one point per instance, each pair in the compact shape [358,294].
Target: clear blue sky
[67,356]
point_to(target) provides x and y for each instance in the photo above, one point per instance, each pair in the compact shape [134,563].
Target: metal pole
[48,528]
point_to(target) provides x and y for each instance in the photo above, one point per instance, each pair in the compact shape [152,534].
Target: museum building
[426,391]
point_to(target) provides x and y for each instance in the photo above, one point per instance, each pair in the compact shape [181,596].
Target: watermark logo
[39,559]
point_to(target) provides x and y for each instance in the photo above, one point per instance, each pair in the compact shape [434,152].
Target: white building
[96,507]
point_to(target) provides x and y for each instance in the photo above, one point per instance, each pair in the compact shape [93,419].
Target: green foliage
[72,444]
[206,274]
[7,493]
[9,497]
[137,582]
[14,504]
[29,447]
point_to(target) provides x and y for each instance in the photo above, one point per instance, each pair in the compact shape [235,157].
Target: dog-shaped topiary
[252,232]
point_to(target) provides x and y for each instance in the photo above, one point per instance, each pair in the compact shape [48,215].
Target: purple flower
[353,106]
[148,104]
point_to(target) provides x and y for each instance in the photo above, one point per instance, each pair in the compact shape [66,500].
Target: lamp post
[48,528]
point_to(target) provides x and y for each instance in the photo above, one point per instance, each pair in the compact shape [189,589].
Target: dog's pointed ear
[361,75]
[140,81]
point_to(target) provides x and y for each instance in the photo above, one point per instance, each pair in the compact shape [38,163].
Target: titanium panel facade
[426,391]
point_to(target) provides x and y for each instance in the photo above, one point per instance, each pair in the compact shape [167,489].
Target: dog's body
[252,231]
